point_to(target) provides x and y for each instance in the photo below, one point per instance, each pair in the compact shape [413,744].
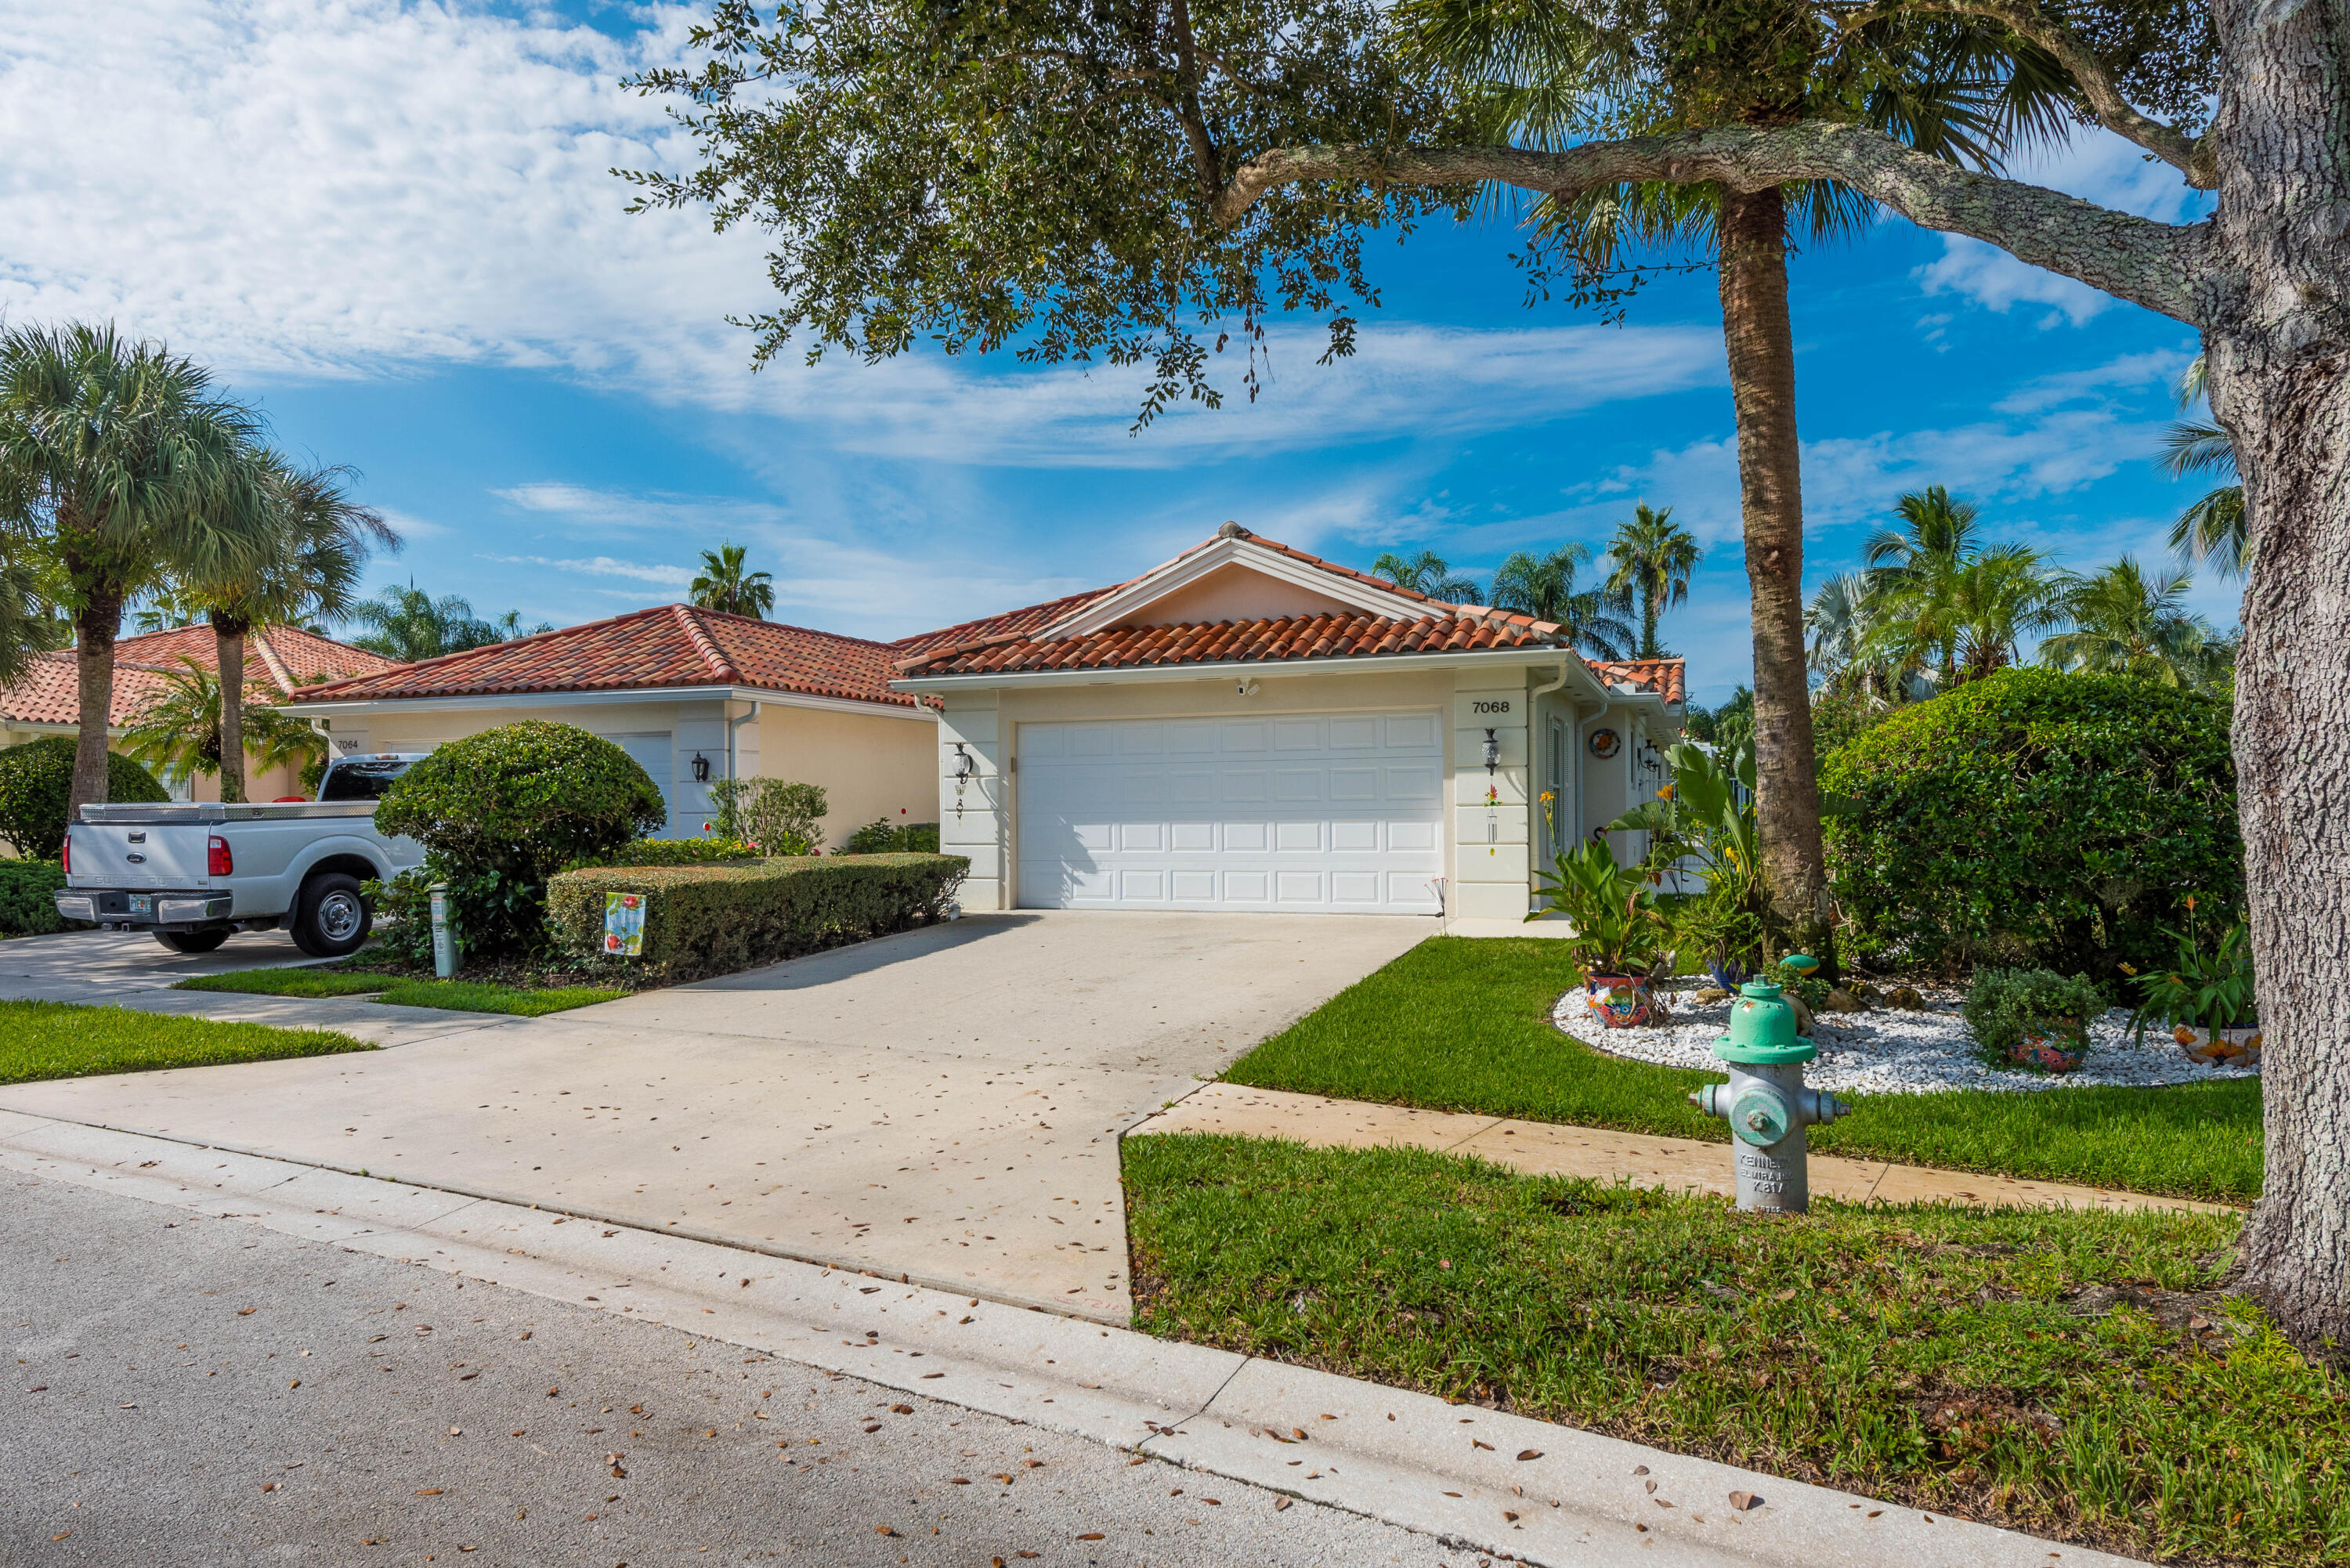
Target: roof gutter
[565,698]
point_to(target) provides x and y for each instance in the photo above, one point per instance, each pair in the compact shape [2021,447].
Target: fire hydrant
[1766,1101]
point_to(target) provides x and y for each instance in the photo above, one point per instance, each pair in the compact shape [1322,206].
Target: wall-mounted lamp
[966,769]
[701,768]
[1492,753]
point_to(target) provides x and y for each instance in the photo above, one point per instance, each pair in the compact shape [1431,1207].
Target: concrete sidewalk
[944,1104]
[1550,1148]
[1505,1484]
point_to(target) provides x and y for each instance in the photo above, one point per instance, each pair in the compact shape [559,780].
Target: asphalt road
[202,1391]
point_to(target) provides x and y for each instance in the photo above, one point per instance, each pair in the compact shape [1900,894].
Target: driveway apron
[942,1105]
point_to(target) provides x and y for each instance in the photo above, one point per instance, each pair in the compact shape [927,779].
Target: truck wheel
[330,915]
[192,941]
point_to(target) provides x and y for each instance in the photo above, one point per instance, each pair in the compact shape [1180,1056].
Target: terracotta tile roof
[1665,677]
[668,645]
[276,660]
[994,627]
[1332,636]
[49,692]
[1008,644]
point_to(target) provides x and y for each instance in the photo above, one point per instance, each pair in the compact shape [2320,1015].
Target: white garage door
[1299,813]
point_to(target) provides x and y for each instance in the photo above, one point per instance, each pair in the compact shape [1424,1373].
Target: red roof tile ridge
[278,673]
[446,661]
[719,664]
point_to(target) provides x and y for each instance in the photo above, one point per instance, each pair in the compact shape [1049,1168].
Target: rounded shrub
[35,779]
[2037,819]
[500,812]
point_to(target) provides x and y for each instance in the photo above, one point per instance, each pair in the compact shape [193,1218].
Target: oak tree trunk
[1760,341]
[228,641]
[96,626]
[2279,341]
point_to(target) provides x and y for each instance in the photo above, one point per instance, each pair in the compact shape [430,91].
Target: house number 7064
[1502,707]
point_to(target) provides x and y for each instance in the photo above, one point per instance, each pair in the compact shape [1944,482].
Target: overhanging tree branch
[2193,157]
[2164,267]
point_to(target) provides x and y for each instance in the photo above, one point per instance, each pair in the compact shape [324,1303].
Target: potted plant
[2206,998]
[1618,931]
[2031,1017]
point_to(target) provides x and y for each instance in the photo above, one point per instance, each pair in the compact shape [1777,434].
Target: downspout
[733,768]
[1533,713]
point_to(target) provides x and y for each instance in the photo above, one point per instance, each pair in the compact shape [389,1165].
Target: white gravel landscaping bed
[1889,1052]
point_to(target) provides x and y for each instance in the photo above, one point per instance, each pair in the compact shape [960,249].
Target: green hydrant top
[1762,1029]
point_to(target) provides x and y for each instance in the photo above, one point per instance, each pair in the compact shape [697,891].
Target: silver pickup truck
[191,873]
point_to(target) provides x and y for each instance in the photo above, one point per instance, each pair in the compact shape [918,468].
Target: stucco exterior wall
[870,767]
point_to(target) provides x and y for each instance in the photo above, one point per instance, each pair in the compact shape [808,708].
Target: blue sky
[390,225]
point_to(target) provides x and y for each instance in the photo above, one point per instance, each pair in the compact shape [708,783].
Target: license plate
[142,903]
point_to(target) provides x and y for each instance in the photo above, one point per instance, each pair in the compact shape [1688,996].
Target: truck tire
[192,942]
[331,916]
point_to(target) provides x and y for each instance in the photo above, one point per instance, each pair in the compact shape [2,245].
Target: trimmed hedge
[501,811]
[715,919]
[37,778]
[673,852]
[2037,819]
[26,890]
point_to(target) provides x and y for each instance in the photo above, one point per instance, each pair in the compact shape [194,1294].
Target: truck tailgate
[113,855]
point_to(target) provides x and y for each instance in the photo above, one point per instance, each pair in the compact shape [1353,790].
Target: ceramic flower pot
[1621,1000]
[2238,1047]
[2061,1050]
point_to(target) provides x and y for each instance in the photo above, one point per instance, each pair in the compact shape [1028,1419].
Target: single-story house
[1250,727]
[278,661]
[694,695]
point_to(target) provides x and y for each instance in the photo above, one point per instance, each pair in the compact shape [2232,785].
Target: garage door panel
[1291,812]
[1413,783]
[1248,837]
[1247,788]
[1410,837]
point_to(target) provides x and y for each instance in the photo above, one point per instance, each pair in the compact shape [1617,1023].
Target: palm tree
[1954,87]
[1840,621]
[2000,598]
[1544,586]
[1935,535]
[724,587]
[1427,573]
[122,457]
[184,730]
[409,624]
[2214,528]
[319,543]
[2126,622]
[1653,558]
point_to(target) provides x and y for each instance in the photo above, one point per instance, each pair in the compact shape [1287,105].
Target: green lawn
[1975,1363]
[478,996]
[457,996]
[1463,1024]
[288,982]
[65,1040]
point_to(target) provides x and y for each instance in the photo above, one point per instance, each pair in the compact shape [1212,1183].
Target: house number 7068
[1502,707]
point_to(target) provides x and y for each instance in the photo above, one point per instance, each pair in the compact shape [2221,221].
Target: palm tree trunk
[228,641]
[96,626]
[1761,342]
[1651,610]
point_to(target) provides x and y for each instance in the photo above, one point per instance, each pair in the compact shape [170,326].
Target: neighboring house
[1248,727]
[46,700]
[694,695]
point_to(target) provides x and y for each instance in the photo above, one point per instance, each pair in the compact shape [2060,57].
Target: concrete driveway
[943,1104]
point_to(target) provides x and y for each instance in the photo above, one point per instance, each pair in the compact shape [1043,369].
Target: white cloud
[2155,366]
[314,188]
